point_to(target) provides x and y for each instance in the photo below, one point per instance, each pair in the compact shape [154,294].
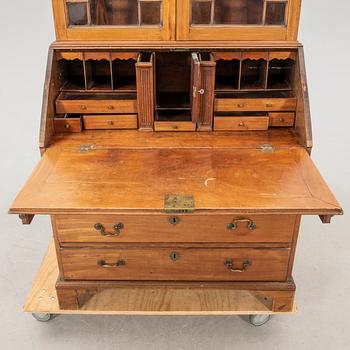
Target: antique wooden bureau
[175,141]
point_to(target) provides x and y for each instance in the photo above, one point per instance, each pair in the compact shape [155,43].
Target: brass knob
[202,91]
[110,107]
[83,107]
[269,104]
[67,126]
[241,124]
[110,122]
[240,105]
[175,127]
[281,120]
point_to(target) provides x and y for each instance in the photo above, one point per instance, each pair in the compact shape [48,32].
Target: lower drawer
[175,264]
[112,121]
[174,228]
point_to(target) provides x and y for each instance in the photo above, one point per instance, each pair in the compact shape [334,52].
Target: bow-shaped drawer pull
[251,225]
[119,263]
[117,230]
[229,264]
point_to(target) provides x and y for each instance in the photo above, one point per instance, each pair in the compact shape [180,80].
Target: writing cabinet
[175,156]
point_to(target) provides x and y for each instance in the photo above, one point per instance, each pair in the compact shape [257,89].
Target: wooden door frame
[274,33]
[130,33]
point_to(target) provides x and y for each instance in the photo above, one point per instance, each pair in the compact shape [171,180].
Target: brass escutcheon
[174,256]
[174,220]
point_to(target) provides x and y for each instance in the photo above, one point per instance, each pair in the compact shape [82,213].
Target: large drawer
[68,102]
[175,228]
[254,104]
[175,264]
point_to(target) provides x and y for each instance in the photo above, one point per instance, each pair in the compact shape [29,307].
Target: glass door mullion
[212,12]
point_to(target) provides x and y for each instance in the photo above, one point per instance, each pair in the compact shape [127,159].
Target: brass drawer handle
[110,107]
[67,126]
[116,233]
[269,105]
[83,107]
[240,105]
[118,263]
[229,264]
[250,224]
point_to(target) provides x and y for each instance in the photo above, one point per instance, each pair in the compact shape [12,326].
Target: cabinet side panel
[48,106]
[302,118]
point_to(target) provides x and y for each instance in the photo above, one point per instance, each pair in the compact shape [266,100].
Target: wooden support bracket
[326,219]
[26,218]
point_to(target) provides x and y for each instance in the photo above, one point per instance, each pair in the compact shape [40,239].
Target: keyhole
[174,256]
[174,220]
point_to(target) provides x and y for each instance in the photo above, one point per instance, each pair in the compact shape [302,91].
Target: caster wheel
[42,317]
[259,320]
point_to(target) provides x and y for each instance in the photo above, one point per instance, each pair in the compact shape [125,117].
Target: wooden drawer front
[172,263]
[237,123]
[174,126]
[254,104]
[112,121]
[67,125]
[96,106]
[282,119]
[177,228]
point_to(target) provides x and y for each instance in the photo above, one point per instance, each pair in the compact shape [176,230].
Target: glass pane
[201,12]
[275,13]
[77,14]
[238,11]
[114,12]
[150,12]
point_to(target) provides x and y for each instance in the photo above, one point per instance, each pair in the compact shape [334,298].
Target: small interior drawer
[68,124]
[282,119]
[255,104]
[111,121]
[240,123]
[175,126]
[68,102]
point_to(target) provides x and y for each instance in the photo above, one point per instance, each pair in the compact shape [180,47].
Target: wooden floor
[141,301]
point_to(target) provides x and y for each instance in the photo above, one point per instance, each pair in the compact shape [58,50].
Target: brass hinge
[176,204]
[266,148]
[85,148]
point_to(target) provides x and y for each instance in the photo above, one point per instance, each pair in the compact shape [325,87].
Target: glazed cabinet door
[114,19]
[237,19]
